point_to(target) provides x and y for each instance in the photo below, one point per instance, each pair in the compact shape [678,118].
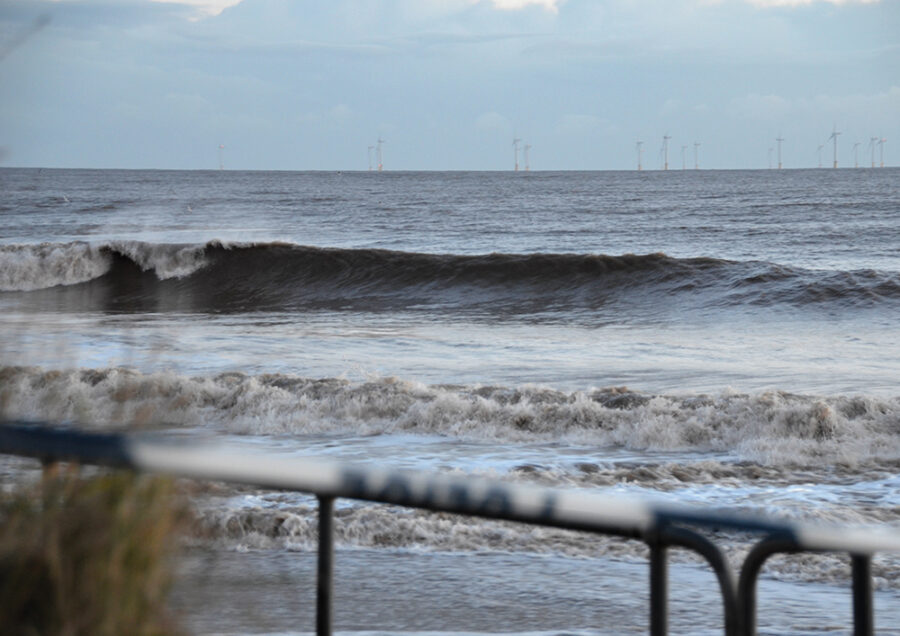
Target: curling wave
[45,265]
[218,277]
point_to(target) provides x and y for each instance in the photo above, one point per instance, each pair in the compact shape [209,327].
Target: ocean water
[723,339]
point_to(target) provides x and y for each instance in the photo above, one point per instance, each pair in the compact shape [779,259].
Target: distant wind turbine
[515,144]
[696,161]
[872,142]
[378,153]
[881,143]
[665,149]
[834,136]
[640,153]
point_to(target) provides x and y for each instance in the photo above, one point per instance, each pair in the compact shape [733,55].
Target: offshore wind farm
[875,144]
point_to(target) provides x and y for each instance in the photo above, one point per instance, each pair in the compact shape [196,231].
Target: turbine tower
[881,143]
[856,155]
[834,136]
[378,153]
[696,161]
[527,164]
[515,144]
[222,156]
[872,142]
[665,149]
[779,139]
[640,153]
[371,148]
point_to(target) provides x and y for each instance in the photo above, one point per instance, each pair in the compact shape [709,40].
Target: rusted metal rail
[659,525]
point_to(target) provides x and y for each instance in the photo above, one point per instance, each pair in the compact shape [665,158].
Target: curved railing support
[750,573]
[863,610]
[692,540]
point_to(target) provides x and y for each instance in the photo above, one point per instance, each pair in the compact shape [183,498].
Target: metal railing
[660,526]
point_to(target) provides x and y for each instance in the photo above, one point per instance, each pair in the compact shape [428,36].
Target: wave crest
[30,267]
[771,428]
[41,266]
[215,277]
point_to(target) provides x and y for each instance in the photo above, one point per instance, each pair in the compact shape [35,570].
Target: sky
[447,84]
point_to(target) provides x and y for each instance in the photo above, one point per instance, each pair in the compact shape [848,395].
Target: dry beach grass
[89,555]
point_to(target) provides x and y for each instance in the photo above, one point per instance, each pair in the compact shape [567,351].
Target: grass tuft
[89,556]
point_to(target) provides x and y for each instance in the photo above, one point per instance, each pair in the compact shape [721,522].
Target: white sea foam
[30,267]
[232,524]
[166,261]
[771,428]
[39,266]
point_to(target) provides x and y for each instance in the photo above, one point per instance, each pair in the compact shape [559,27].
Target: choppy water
[721,338]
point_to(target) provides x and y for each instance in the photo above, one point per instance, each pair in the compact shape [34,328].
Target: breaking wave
[45,265]
[218,277]
[771,428]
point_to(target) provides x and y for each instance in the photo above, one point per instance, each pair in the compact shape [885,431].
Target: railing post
[325,578]
[686,538]
[863,614]
[659,589]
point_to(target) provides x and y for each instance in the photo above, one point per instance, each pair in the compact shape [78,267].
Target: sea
[718,339]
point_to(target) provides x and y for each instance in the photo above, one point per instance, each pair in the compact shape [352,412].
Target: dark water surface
[719,338]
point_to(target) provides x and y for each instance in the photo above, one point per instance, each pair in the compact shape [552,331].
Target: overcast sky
[311,84]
